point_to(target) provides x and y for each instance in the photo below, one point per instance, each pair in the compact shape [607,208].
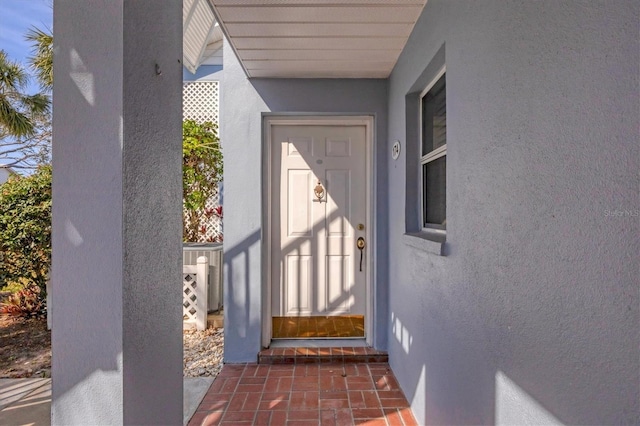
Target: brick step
[321,355]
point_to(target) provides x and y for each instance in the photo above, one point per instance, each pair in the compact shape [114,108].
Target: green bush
[25,230]
[201,172]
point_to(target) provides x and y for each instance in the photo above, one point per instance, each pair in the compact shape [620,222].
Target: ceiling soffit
[318,38]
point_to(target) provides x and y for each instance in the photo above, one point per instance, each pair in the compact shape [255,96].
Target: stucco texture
[243,102]
[533,315]
[116,267]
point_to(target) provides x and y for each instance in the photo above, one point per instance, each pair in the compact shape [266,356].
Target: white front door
[319,194]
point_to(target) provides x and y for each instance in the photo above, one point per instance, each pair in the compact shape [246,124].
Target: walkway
[304,394]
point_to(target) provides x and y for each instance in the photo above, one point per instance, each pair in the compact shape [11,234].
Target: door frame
[270,120]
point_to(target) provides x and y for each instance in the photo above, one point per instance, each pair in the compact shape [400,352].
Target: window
[433,160]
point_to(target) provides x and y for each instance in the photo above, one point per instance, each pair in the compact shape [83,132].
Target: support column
[117,212]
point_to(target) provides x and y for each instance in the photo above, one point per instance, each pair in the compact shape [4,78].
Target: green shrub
[25,230]
[201,172]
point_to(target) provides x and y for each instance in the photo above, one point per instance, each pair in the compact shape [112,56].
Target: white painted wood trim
[318,120]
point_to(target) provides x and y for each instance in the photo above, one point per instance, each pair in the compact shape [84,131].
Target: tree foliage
[18,110]
[25,120]
[41,59]
[25,229]
[201,170]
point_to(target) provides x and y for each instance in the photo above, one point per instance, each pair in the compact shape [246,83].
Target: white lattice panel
[200,101]
[210,227]
[189,298]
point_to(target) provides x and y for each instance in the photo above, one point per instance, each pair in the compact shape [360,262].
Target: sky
[16,17]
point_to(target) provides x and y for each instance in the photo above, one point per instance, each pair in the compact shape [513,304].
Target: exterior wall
[243,103]
[116,266]
[533,315]
[204,73]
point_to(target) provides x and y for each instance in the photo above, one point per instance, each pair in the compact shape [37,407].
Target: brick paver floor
[304,394]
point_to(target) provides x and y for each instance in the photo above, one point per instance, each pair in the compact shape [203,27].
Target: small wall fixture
[395,150]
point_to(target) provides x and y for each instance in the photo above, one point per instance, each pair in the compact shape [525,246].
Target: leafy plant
[25,303]
[25,119]
[25,229]
[202,171]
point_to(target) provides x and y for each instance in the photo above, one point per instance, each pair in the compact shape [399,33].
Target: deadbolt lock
[361,227]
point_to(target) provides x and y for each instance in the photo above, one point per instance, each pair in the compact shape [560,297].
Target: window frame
[430,156]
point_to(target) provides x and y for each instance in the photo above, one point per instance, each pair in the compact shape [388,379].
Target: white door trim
[328,120]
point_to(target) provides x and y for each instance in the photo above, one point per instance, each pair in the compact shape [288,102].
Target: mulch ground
[25,348]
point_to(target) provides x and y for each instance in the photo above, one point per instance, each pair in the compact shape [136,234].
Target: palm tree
[19,112]
[42,59]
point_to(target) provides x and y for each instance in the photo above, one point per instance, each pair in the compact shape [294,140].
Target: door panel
[315,262]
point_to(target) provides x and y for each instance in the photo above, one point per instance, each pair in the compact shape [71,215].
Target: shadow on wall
[242,319]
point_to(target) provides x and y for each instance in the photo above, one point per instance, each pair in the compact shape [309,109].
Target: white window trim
[427,158]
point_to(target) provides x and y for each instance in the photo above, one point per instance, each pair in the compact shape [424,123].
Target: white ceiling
[201,35]
[317,38]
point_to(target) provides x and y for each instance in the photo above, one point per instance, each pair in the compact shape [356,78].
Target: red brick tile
[344,417]
[304,400]
[303,415]
[271,384]
[334,395]
[371,399]
[197,419]
[213,419]
[276,404]
[252,380]
[278,418]
[305,383]
[360,383]
[327,418]
[367,413]
[250,370]
[394,403]
[249,388]
[313,370]
[302,423]
[211,397]
[382,394]
[217,384]
[213,405]
[335,383]
[230,385]
[334,403]
[236,423]
[237,402]
[371,422]
[232,370]
[300,371]
[263,418]
[238,416]
[393,417]
[381,384]
[276,396]
[356,400]
[407,417]
[252,402]
[280,373]
[285,384]
[392,382]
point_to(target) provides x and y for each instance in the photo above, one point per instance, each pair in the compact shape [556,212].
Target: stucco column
[117,197]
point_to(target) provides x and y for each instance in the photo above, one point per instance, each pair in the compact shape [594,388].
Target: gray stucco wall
[243,103]
[534,313]
[117,210]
